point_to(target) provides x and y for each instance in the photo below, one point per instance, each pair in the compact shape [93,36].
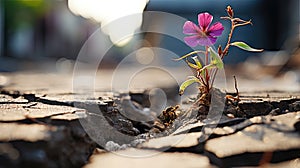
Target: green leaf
[188,82]
[189,54]
[191,77]
[215,58]
[245,46]
[198,63]
[191,64]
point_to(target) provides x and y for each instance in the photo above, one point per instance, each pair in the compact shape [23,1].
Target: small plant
[206,35]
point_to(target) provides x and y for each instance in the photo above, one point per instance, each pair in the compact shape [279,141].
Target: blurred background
[47,35]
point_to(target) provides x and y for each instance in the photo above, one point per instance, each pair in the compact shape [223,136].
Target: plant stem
[225,51]
[206,71]
[236,88]
[206,55]
[214,76]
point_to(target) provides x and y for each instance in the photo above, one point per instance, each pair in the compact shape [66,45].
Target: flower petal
[202,41]
[207,41]
[212,40]
[204,20]
[216,29]
[190,28]
[192,40]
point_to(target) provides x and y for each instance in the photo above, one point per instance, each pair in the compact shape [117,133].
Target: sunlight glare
[108,11]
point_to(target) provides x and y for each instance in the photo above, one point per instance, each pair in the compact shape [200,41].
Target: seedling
[205,34]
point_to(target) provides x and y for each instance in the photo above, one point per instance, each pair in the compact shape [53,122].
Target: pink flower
[204,34]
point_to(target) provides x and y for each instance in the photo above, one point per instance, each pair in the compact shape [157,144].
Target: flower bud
[230,11]
[220,50]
